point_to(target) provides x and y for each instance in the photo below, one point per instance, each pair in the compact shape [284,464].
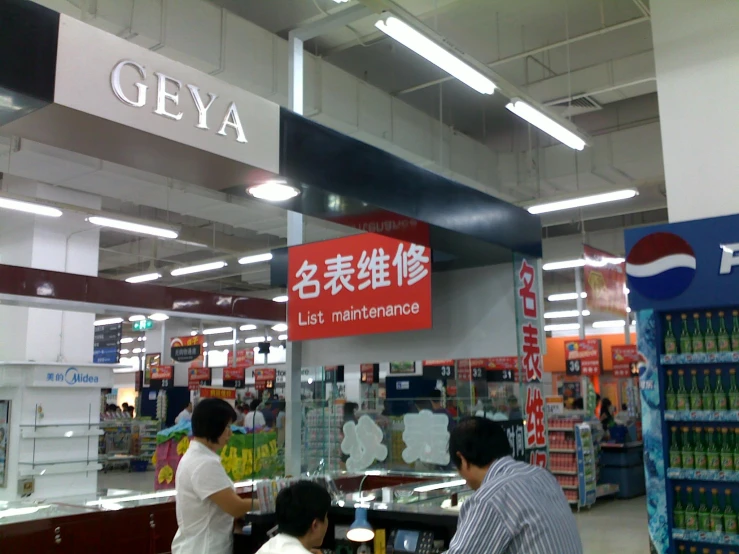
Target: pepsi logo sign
[661,266]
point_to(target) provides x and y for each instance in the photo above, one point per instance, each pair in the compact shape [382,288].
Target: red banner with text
[198,377]
[217,392]
[583,357]
[264,378]
[605,282]
[623,358]
[358,285]
[244,358]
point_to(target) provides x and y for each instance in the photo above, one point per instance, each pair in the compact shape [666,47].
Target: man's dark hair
[480,440]
[211,417]
[254,404]
[299,505]
[435,395]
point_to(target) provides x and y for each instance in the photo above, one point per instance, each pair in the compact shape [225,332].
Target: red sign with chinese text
[583,357]
[162,372]
[358,285]
[216,392]
[605,282]
[197,376]
[535,437]
[538,458]
[264,378]
[233,373]
[244,359]
[529,333]
[188,349]
[367,373]
[623,356]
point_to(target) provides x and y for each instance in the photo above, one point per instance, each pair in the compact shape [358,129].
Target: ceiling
[590,60]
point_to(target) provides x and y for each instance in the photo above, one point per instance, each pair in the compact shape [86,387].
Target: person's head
[129,409]
[211,422]
[350,409]
[189,407]
[578,404]
[474,445]
[624,408]
[435,397]
[302,512]
[254,404]
[513,402]
[125,406]
[605,406]
[281,406]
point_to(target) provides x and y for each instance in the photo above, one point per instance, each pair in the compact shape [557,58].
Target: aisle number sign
[358,285]
[583,357]
[623,357]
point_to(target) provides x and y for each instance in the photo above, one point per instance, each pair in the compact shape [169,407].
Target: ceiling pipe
[539,50]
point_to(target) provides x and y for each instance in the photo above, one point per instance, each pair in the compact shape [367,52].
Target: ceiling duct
[576,106]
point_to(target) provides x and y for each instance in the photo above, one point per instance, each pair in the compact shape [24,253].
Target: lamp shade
[360,530]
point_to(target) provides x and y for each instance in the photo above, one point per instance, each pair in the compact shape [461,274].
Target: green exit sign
[143,325]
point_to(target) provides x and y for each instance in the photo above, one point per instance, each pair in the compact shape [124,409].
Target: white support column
[294,354]
[580,303]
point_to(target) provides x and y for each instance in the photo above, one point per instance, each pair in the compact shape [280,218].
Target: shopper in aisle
[206,501]
[185,415]
[606,415]
[254,419]
[302,519]
[517,508]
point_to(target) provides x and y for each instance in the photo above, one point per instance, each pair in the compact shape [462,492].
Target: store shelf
[563,450]
[41,469]
[687,415]
[569,487]
[705,537]
[54,462]
[703,475]
[562,472]
[694,359]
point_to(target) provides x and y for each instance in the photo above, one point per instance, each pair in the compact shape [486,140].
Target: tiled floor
[609,526]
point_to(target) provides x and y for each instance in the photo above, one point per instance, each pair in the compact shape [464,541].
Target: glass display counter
[24,511]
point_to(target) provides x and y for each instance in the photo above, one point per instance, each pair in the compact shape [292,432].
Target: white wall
[696,47]
[473,314]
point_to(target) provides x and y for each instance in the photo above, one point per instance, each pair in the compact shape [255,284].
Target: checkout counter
[411,518]
[117,521]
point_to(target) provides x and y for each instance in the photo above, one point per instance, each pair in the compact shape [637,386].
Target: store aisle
[615,526]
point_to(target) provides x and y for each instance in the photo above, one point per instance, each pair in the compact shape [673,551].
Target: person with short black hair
[517,508]
[206,501]
[254,419]
[302,519]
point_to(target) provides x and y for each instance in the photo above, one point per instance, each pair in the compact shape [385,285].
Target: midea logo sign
[73,377]
[230,118]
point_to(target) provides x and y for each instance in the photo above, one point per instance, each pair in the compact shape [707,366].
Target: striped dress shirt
[519,509]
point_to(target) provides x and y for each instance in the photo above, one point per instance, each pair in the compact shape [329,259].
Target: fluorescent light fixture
[280,299]
[111,321]
[607,324]
[197,268]
[29,207]
[140,228]
[566,296]
[546,124]
[158,317]
[124,352]
[136,351]
[341,1]
[562,327]
[247,327]
[565,313]
[226,342]
[273,191]
[126,340]
[436,54]
[144,278]
[255,340]
[256,259]
[218,331]
[137,318]
[439,486]
[280,327]
[583,201]
[603,262]
[566,264]
[282,337]
[193,333]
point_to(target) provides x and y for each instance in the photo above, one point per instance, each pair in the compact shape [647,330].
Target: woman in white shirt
[206,501]
[254,418]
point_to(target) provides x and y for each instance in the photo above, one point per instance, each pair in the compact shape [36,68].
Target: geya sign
[684,265]
[358,285]
[167,99]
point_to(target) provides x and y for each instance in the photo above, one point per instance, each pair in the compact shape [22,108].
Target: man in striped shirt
[517,508]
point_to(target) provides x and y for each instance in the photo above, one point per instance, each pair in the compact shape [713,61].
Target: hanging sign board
[187,349]
[438,369]
[368,371]
[358,285]
[107,345]
[623,357]
[218,392]
[605,282]
[264,378]
[583,357]
[162,377]
[233,377]
[402,367]
[198,377]
[244,358]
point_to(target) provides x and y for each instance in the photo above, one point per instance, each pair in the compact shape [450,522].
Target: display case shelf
[562,472]
[688,415]
[705,537]
[696,359]
[703,475]
[56,469]
[563,450]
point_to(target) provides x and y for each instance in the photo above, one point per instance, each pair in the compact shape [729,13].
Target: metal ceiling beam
[535,51]
[331,22]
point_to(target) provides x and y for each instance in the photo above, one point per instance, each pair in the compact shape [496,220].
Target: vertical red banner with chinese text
[530,351]
[605,282]
[358,285]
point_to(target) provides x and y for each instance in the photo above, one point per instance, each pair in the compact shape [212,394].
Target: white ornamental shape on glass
[426,438]
[363,443]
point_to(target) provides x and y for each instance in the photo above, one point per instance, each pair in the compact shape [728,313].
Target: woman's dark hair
[299,505]
[350,408]
[281,405]
[211,417]
[480,440]
[605,406]
[254,405]
[578,404]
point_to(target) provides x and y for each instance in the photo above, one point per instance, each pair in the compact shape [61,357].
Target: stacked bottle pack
[701,401]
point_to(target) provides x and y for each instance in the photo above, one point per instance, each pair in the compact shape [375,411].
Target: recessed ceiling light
[562,327]
[282,337]
[110,321]
[566,296]
[257,258]
[159,317]
[226,342]
[255,340]
[280,299]
[137,318]
[566,264]
[197,268]
[126,340]
[280,327]
[218,331]
[247,327]
[608,324]
[144,278]
[123,225]
[273,191]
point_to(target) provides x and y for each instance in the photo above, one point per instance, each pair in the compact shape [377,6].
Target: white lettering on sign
[728,258]
[168,90]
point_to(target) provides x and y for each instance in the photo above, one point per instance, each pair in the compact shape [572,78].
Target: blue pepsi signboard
[684,265]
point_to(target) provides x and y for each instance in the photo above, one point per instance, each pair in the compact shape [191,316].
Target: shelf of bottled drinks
[701,414]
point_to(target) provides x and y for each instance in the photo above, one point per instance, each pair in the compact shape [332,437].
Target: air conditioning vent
[578,106]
